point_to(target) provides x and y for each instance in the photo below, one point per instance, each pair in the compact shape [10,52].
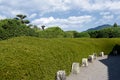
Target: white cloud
[91,5]
[33,15]
[2,17]
[15,12]
[40,6]
[104,13]
[35,8]
[105,19]
[70,22]
[60,4]
[108,17]
[46,6]
[114,5]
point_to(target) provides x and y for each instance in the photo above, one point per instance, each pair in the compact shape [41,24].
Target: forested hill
[100,27]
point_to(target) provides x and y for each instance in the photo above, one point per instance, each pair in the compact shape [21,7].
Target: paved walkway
[103,68]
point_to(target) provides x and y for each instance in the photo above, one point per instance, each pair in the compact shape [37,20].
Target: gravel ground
[103,68]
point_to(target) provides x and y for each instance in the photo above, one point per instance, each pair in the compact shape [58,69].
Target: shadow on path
[113,64]
[103,68]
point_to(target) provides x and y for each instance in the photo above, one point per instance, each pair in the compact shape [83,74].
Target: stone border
[61,74]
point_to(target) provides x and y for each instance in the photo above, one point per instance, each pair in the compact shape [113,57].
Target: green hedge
[30,58]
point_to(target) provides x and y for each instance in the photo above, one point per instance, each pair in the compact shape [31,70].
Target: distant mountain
[100,27]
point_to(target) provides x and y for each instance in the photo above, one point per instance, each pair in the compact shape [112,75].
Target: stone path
[103,68]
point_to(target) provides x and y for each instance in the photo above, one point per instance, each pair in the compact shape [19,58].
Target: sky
[78,15]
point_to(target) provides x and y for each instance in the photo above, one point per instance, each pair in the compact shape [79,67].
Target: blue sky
[76,15]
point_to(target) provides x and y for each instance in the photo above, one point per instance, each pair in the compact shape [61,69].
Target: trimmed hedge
[31,58]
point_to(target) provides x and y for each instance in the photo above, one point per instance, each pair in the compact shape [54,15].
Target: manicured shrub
[31,58]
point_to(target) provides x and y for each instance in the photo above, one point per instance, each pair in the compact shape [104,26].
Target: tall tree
[115,25]
[21,17]
[43,27]
[54,32]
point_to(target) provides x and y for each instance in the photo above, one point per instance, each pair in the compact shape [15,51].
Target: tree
[115,25]
[93,34]
[21,17]
[68,34]
[53,32]
[13,28]
[43,27]
[74,34]
[84,34]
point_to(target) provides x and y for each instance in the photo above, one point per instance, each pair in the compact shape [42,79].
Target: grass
[30,58]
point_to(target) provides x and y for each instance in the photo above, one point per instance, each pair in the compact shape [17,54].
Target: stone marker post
[75,68]
[61,75]
[95,55]
[101,54]
[84,62]
[91,58]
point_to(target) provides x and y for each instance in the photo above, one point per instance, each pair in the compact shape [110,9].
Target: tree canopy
[21,18]
[115,25]
[14,27]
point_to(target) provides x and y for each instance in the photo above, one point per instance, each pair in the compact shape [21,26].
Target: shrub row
[31,58]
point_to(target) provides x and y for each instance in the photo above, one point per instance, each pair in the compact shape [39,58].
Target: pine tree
[115,25]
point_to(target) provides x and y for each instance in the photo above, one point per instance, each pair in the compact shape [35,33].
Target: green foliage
[21,18]
[115,25]
[37,29]
[26,22]
[43,27]
[68,34]
[52,32]
[84,34]
[18,27]
[73,34]
[13,28]
[93,34]
[112,32]
[30,58]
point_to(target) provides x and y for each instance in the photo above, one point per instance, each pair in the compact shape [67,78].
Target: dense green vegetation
[111,32]
[48,50]
[31,58]
[19,26]
[13,28]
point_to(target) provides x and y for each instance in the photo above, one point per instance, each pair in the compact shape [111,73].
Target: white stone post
[84,62]
[101,54]
[91,58]
[95,55]
[61,75]
[75,68]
